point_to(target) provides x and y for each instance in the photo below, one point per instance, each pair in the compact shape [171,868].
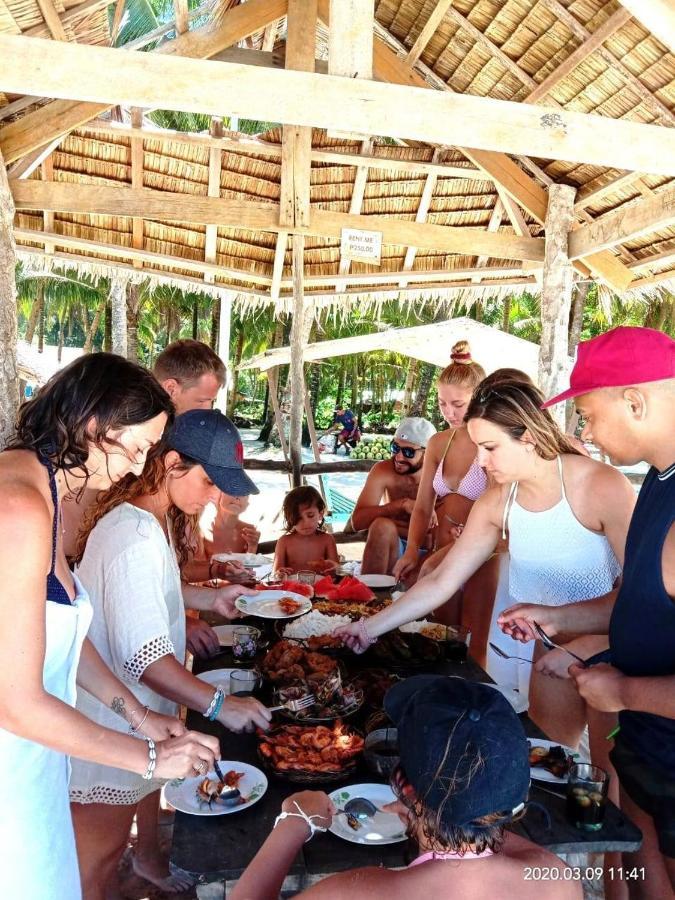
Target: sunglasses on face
[408,452]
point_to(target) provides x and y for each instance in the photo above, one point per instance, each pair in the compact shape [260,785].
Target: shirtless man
[388,497]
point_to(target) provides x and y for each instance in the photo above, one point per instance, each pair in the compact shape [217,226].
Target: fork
[295,705]
[551,645]
[500,652]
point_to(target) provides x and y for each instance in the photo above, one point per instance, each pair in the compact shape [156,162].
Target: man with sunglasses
[388,497]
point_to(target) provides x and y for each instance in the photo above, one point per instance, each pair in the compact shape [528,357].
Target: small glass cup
[245,682]
[457,640]
[306,576]
[245,642]
[587,796]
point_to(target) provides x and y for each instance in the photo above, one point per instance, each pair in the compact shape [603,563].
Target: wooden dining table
[220,847]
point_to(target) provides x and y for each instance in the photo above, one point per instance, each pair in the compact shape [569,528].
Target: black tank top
[642,627]
[56,592]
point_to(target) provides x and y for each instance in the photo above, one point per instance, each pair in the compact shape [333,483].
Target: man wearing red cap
[624,385]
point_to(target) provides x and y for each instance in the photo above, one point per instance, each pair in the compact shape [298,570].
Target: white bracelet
[300,814]
[152,760]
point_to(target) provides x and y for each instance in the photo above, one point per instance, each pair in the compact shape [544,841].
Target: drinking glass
[587,796]
[244,682]
[457,640]
[245,642]
[307,577]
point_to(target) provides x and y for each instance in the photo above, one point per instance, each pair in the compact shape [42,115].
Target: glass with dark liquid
[457,640]
[245,682]
[587,796]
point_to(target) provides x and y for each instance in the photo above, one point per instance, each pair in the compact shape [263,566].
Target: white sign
[361,246]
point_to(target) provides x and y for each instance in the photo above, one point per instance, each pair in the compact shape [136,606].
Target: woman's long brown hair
[149,482]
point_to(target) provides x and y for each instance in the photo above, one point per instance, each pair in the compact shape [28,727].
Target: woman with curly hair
[130,554]
[87,427]
[456,791]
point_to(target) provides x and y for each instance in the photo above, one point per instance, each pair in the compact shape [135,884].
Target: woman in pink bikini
[452,480]
[456,791]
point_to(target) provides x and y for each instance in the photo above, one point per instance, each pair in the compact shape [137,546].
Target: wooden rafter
[435,18]
[121,201]
[625,224]
[136,181]
[662,258]
[657,16]
[421,216]
[70,17]
[215,165]
[358,192]
[61,116]
[350,40]
[598,188]
[658,108]
[278,266]
[493,225]
[52,20]
[117,21]
[181,13]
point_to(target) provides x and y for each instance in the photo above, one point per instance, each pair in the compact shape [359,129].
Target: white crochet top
[133,580]
[554,559]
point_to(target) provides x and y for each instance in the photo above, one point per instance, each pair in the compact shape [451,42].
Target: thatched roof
[502,50]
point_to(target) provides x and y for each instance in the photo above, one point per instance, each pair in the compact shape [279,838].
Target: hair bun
[461,353]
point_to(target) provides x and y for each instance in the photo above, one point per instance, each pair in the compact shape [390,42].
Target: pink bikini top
[471,486]
[432,855]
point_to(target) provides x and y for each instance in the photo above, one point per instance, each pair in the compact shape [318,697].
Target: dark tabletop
[222,846]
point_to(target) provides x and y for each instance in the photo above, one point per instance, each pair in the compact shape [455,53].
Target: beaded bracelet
[301,814]
[133,730]
[215,704]
[152,760]
[364,635]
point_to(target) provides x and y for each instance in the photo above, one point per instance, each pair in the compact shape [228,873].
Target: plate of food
[550,761]
[378,582]
[206,795]
[333,700]
[218,677]
[383,828]
[314,631]
[311,754]
[248,560]
[273,604]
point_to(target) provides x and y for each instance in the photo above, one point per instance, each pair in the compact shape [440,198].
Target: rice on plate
[314,624]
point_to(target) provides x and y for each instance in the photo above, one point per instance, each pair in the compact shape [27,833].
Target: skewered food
[296,748]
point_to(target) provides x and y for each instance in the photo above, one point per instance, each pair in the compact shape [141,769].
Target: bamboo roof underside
[502,49]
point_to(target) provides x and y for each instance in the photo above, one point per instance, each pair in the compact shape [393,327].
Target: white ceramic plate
[225,634]
[266,604]
[517,700]
[383,828]
[218,677]
[250,560]
[182,792]
[378,581]
[539,773]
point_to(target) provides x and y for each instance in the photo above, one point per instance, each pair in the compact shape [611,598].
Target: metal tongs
[551,645]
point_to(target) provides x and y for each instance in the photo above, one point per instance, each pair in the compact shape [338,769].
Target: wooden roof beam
[663,258]
[52,20]
[364,106]
[350,38]
[61,116]
[356,201]
[180,8]
[657,16]
[435,18]
[625,224]
[421,216]
[151,204]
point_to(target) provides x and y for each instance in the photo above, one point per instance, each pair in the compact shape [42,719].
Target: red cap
[622,356]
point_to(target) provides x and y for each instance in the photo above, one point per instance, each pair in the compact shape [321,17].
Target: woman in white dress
[132,549]
[89,425]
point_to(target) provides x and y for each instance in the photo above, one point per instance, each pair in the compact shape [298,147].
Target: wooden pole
[118,303]
[224,328]
[9,376]
[297,375]
[556,295]
[278,418]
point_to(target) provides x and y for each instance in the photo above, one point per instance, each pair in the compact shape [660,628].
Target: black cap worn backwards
[462,747]
[210,438]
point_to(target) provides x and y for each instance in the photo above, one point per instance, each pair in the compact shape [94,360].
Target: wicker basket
[308,777]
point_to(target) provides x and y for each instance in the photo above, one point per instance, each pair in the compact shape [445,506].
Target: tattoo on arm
[118,707]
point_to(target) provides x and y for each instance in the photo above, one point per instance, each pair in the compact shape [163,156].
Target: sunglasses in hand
[408,452]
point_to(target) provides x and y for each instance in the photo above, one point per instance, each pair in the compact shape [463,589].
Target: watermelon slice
[297,587]
[323,585]
[356,591]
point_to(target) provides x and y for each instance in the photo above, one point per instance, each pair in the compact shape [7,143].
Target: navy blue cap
[210,438]
[462,747]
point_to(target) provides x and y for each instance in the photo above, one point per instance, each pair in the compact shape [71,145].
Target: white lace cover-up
[133,580]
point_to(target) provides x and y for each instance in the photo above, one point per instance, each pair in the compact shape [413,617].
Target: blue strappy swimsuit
[56,592]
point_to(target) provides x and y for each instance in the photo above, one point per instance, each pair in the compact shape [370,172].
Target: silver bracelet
[133,730]
[152,760]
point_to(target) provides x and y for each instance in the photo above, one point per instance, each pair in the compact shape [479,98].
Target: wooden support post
[311,427]
[215,163]
[118,303]
[224,329]
[273,380]
[556,294]
[297,375]
[9,376]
